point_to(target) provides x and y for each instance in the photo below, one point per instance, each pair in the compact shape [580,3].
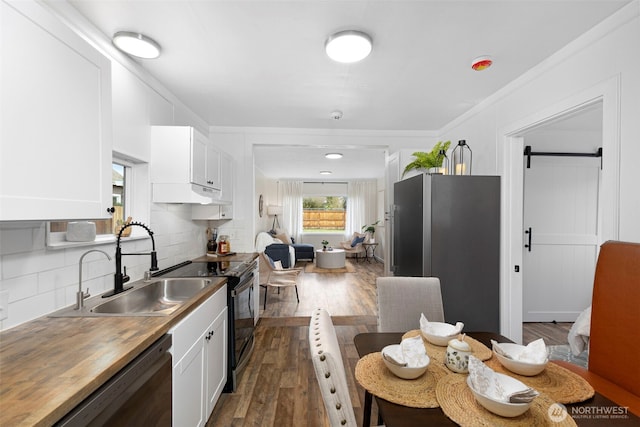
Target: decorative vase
[324,248]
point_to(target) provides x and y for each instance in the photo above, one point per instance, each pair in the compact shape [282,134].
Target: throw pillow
[357,240]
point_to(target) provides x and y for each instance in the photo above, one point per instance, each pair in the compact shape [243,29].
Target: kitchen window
[123,184]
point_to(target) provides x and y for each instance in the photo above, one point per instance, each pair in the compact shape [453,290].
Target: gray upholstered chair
[327,363]
[401,300]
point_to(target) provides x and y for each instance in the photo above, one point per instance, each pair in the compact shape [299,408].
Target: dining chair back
[401,300]
[327,363]
[614,347]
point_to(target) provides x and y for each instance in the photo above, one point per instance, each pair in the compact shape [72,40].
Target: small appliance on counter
[212,244]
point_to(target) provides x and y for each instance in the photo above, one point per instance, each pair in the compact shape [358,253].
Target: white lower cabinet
[199,361]
[216,361]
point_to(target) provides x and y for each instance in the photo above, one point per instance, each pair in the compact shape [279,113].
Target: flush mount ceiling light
[348,46]
[325,172]
[481,63]
[333,155]
[136,44]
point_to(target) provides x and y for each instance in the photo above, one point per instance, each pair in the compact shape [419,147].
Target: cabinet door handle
[528,245]
[111,209]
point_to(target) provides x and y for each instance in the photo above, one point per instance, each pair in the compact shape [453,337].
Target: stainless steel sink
[158,298]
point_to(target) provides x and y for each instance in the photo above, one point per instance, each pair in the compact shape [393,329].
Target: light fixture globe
[348,46]
[136,44]
[333,156]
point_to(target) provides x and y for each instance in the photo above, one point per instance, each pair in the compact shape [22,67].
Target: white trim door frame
[511,152]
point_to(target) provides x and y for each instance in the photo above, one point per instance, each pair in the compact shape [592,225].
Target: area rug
[312,268]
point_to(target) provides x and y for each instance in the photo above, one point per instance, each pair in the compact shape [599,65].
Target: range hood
[184,193]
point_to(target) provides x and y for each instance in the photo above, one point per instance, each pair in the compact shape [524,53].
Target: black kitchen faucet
[119,277]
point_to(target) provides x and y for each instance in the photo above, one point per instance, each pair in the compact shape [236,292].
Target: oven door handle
[242,286]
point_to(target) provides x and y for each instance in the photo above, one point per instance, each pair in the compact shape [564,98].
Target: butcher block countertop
[50,365]
[236,257]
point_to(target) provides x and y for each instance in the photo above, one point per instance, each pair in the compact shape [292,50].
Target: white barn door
[561,210]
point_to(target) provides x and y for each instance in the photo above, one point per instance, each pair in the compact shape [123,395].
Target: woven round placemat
[373,375]
[458,403]
[559,383]
[437,352]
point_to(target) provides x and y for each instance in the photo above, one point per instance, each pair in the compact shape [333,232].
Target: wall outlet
[4,304]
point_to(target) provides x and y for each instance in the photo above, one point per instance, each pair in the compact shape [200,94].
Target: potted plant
[324,245]
[430,160]
[371,228]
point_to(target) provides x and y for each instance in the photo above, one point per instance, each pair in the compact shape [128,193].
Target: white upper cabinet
[131,114]
[226,178]
[213,166]
[183,167]
[55,104]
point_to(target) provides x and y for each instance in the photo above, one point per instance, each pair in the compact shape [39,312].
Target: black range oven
[240,306]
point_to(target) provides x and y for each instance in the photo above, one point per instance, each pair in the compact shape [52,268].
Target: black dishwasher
[140,394]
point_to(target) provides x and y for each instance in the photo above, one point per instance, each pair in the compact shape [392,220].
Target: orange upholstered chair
[614,344]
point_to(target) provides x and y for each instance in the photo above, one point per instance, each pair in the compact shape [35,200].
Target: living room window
[324,214]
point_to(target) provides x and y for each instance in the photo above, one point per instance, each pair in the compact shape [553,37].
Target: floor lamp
[275,211]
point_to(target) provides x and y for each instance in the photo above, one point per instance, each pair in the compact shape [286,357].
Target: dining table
[594,411]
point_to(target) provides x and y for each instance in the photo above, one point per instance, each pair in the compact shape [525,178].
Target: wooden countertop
[50,365]
[236,257]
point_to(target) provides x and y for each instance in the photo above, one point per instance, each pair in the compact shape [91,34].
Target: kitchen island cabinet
[56,119]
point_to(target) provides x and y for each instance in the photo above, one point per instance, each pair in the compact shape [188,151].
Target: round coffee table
[330,259]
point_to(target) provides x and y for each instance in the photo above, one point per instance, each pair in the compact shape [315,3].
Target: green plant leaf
[426,161]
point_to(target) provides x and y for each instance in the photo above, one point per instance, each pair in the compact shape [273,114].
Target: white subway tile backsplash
[41,281]
[57,278]
[21,287]
[15,265]
[29,308]
[16,241]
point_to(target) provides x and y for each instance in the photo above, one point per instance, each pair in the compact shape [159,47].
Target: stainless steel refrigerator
[449,227]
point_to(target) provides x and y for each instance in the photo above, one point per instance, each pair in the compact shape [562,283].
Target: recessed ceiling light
[325,172]
[333,155]
[348,46]
[136,44]
[481,63]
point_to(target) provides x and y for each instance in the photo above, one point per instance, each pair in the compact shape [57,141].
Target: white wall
[600,65]
[609,51]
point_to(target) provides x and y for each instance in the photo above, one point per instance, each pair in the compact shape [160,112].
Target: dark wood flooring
[278,387]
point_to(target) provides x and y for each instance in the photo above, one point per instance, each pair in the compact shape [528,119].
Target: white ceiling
[262,63]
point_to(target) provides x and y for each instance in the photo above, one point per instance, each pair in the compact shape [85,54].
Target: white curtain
[362,199]
[292,208]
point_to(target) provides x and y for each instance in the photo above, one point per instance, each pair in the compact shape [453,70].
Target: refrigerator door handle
[392,227]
